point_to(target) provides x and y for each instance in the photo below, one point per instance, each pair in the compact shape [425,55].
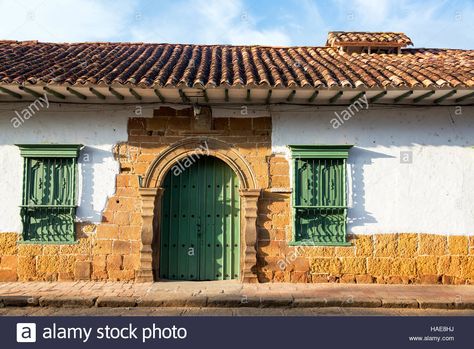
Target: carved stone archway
[151,195]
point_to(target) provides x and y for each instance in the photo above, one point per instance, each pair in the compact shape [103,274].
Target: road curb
[19,301]
[233,301]
[400,303]
[229,301]
[67,301]
[116,302]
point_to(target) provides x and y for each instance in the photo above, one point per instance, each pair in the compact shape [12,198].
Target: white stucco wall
[97,128]
[433,194]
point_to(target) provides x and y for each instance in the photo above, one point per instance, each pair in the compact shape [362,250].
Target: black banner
[236,332]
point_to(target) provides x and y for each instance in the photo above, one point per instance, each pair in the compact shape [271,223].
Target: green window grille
[48,207]
[319,195]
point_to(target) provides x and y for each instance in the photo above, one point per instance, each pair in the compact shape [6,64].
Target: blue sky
[430,23]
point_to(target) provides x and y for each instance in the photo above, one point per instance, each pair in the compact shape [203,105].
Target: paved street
[223,296]
[171,311]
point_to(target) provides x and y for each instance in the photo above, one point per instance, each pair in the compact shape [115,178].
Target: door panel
[200,225]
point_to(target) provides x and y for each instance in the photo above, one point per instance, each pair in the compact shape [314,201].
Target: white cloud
[429,23]
[64,20]
[372,12]
[207,22]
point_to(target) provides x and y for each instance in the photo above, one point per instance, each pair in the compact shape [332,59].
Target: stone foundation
[382,258]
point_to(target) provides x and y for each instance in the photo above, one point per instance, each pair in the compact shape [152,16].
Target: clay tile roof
[176,65]
[383,38]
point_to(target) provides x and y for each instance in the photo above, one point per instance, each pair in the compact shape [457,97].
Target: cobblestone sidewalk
[231,294]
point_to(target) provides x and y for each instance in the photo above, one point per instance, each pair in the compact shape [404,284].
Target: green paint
[319,197]
[48,208]
[336,151]
[200,226]
[50,150]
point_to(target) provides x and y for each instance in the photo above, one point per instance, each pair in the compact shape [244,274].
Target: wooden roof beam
[76,93]
[30,91]
[423,96]
[443,97]
[116,93]
[334,98]
[402,96]
[96,93]
[10,92]
[291,96]
[159,95]
[463,98]
[357,96]
[206,97]
[226,93]
[377,97]
[183,96]
[313,96]
[269,96]
[135,94]
[54,93]
[248,96]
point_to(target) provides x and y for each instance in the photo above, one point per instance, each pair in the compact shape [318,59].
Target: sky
[429,23]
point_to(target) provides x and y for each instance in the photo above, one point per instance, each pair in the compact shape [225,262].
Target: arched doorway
[152,191]
[200,221]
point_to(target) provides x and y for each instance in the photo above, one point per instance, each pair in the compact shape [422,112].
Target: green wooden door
[200,225]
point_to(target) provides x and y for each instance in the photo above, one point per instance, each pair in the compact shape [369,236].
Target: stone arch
[199,146]
[151,194]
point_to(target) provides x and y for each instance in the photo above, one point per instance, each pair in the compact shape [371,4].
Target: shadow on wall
[89,159]
[358,159]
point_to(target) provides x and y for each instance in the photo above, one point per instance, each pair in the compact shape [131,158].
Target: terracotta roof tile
[340,38]
[175,65]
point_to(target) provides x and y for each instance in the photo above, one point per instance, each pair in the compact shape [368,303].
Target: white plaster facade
[433,194]
[98,128]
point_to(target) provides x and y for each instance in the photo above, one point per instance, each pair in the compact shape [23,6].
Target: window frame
[338,151]
[51,152]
